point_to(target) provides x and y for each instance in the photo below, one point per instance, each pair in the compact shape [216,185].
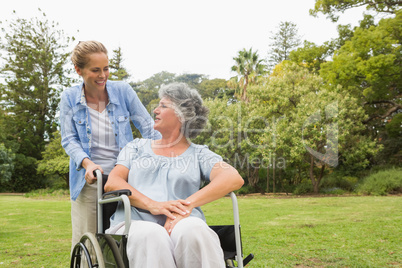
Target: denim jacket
[75,124]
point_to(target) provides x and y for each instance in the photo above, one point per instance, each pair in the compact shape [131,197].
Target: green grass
[358,231]
[34,233]
[318,232]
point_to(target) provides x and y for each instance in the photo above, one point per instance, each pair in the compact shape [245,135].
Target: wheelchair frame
[93,244]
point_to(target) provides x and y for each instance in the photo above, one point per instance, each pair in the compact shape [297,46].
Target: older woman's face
[166,118]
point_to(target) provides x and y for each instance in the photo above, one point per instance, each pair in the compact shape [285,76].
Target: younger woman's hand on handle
[90,167]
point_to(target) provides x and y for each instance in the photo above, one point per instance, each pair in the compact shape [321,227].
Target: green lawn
[281,232]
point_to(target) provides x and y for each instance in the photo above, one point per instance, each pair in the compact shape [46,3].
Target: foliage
[55,160]
[214,88]
[283,42]
[305,187]
[24,178]
[249,68]
[339,180]
[311,55]
[382,183]
[394,126]
[48,193]
[369,67]
[35,73]
[118,72]
[315,126]
[332,7]
[223,130]
[6,163]
[226,134]
[147,90]
[193,80]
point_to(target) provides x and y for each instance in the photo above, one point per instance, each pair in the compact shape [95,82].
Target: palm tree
[248,67]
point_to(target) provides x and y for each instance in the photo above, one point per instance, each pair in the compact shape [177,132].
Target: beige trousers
[83,213]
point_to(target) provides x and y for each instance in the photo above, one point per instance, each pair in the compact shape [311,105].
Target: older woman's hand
[170,224]
[168,208]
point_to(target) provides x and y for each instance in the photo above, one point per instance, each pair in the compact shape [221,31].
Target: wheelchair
[103,250]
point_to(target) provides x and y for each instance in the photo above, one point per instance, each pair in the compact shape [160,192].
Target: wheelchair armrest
[116,193]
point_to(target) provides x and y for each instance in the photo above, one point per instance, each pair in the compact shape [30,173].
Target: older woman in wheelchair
[168,227]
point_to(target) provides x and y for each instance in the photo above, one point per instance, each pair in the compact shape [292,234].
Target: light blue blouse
[164,178]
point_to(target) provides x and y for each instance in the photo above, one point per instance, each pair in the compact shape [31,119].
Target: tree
[55,161]
[249,68]
[147,90]
[215,88]
[283,42]
[317,127]
[6,164]
[34,70]
[225,135]
[331,8]
[193,80]
[118,72]
[369,66]
[312,56]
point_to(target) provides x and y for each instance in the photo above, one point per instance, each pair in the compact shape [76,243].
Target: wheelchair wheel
[87,253]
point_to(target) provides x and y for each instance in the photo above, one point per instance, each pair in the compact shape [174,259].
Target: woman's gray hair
[188,107]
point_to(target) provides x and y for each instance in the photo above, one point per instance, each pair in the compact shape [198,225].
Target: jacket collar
[111,92]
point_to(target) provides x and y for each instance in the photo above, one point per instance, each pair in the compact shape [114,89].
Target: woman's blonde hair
[80,54]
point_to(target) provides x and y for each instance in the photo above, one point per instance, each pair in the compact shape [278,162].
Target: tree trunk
[316,181]
[268,179]
[244,93]
[312,177]
[273,176]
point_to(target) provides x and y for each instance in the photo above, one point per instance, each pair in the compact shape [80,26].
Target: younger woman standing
[95,125]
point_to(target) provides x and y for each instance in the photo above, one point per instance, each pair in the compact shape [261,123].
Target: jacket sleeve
[139,115]
[69,136]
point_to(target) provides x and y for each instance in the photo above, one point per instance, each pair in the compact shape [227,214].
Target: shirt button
[115,134]
[121,148]
[108,111]
[112,123]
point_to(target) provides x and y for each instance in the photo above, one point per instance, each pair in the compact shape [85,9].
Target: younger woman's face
[96,71]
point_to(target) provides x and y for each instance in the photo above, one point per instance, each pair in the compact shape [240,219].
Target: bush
[48,192]
[24,177]
[246,189]
[382,183]
[304,187]
[338,181]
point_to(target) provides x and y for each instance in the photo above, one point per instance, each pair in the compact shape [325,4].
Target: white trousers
[83,213]
[191,244]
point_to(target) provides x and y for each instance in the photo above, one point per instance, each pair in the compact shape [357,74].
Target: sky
[180,36]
